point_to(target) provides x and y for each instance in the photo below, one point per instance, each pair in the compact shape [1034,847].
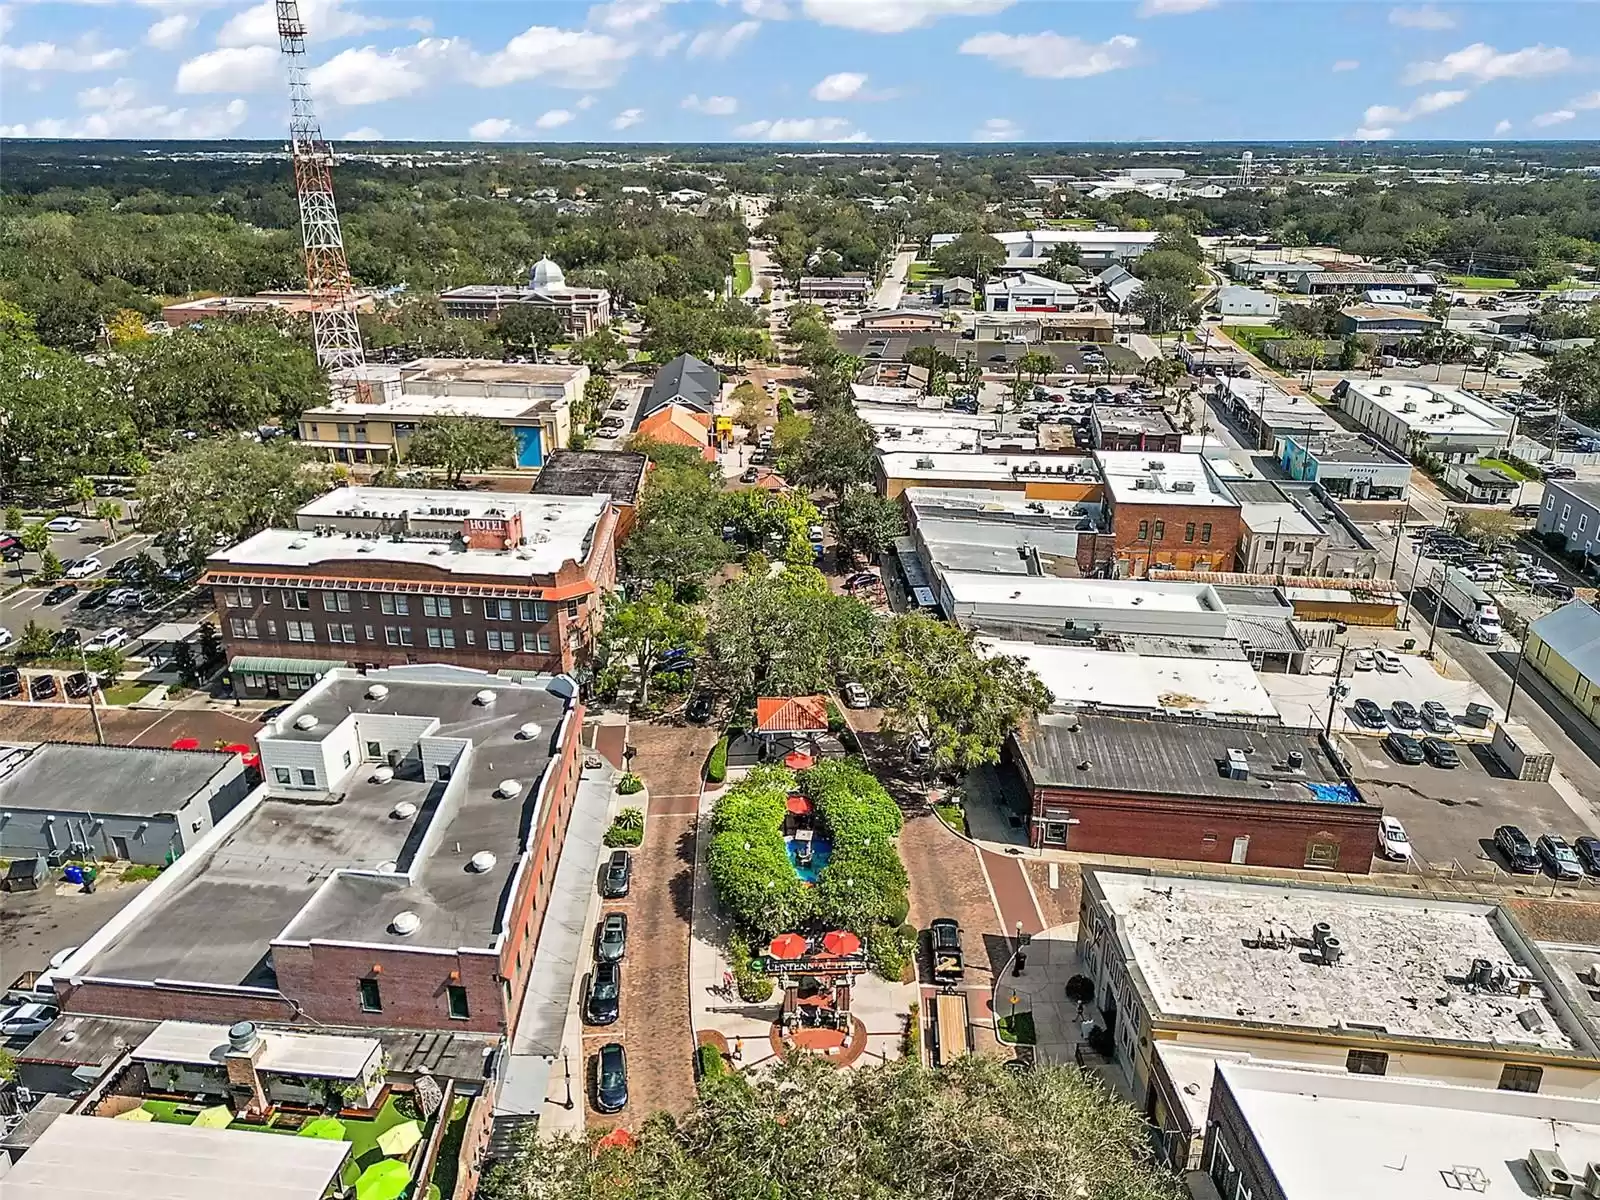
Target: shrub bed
[627,829]
[748,861]
[717,764]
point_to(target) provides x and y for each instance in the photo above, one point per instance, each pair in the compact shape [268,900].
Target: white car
[25,1020]
[1392,839]
[64,525]
[1388,660]
[84,567]
[1365,660]
[106,639]
[855,696]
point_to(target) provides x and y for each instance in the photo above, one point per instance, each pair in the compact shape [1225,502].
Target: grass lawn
[1506,468]
[1017,1030]
[741,274]
[1486,282]
[952,816]
[128,693]
[1250,337]
[920,271]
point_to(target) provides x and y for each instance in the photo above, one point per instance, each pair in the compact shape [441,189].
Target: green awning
[265,665]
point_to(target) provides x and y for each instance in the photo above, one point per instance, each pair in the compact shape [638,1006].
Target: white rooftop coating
[1334,1137]
[883,418]
[1433,408]
[1124,594]
[1078,676]
[1144,477]
[326,1056]
[977,468]
[1280,519]
[1402,972]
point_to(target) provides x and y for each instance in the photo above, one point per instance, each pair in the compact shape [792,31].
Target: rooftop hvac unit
[1550,1174]
[1408,406]
[1183,485]
[1385,390]
[1155,464]
[924,464]
[1591,1179]
[1238,767]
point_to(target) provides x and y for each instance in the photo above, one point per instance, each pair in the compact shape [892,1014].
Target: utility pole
[1333,692]
[1438,606]
[94,709]
[1399,536]
[1516,675]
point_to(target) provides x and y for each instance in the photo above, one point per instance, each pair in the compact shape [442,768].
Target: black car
[1514,844]
[13,552]
[619,875]
[611,1078]
[1405,748]
[1558,857]
[42,687]
[1440,752]
[1369,714]
[1588,851]
[603,1004]
[66,640]
[1524,510]
[60,594]
[1560,473]
[1406,715]
[96,598]
[10,682]
[1556,591]
[699,710]
[78,685]
[611,940]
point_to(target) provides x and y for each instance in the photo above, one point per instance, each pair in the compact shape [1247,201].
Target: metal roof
[1573,633]
[283,1052]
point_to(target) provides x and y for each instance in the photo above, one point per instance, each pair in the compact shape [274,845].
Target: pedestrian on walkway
[738,1051]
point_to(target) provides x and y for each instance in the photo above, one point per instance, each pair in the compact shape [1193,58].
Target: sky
[808,70]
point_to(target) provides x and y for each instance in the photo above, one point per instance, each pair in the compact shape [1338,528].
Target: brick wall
[151,1002]
[1167,537]
[1204,831]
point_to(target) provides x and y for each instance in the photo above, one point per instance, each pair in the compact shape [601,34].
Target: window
[530,643]
[572,608]
[1205,532]
[1517,1078]
[300,631]
[472,637]
[370,634]
[282,775]
[1549,503]
[293,599]
[341,633]
[535,610]
[1583,522]
[308,777]
[371,999]
[1268,545]
[395,606]
[1322,852]
[272,629]
[544,643]
[1367,1062]
[434,640]
[497,610]
[405,635]
[237,627]
[391,635]
[506,642]
[436,606]
[1161,530]
[347,758]
[1144,530]
[1188,532]
[336,601]
[1566,511]
[449,636]
[457,997]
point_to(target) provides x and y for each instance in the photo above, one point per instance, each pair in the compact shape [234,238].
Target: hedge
[864,883]
[748,860]
[717,765]
[710,1063]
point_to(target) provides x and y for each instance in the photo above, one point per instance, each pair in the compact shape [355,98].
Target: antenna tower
[333,320]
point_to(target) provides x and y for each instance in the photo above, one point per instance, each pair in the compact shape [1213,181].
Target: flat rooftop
[982,468]
[422,372]
[1084,676]
[1278,518]
[1146,477]
[615,473]
[1276,409]
[1142,418]
[124,781]
[1436,409]
[274,873]
[1123,594]
[912,420]
[283,1051]
[1198,947]
[1328,1136]
[90,1158]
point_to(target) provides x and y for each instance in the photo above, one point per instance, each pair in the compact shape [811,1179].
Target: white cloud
[1560,117]
[1171,8]
[627,118]
[114,113]
[574,58]
[765,10]
[711,106]
[1585,102]
[1049,55]
[231,69]
[51,56]
[554,119]
[367,75]
[801,129]
[1373,135]
[668,44]
[119,94]
[997,129]
[622,15]
[1347,64]
[896,16]
[1502,126]
[365,134]
[1425,17]
[1431,102]
[719,43]
[6,19]
[1484,63]
[326,20]
[491,129]
[169,32]
[584,104]
[843,85]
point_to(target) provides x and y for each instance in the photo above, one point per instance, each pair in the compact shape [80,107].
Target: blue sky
[803,70]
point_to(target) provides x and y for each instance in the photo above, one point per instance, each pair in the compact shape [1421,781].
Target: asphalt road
[17,609]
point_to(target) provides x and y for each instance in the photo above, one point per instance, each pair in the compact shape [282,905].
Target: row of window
[397,604]
[455,997]
[506,641]
[1161,531]
[1514,1077]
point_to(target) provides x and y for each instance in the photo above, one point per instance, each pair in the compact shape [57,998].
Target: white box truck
[1473,606]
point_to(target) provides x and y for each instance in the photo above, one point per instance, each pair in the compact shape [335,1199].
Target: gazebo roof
[792,714]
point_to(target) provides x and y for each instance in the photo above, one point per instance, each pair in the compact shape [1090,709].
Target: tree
[35,539]
[217,492]
[938,685]
[840,449]
[183,662]
[1062,259]
[597,396]
[108,513]
[677,539]
[1162,372]
[1357,352]
[1165,305]
[936,362]
[13,517]
[777,524]
[1571,381]
[1439,308]
[211,649]
[866,523]
[81,490]
[126,325]
[1490,529]
[638,631]
[973,255]
[1169,264]
[600,350]
[1179,240]
[529,327]
[900,1129]
[1035,365]
[754,406]
[36,640]
[457,445]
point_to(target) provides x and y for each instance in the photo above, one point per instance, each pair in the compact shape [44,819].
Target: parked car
[66,640]
[1554,589]
[699,709]
[1558,857]
[1388,660]
[1364,660]
[611,1078]
[1392,840]
[1406,715]
[10,683]
[751,475]
[82,568]
[1587,849]
[42,687]
[59,595]
[1507,373]
[1524,510]
[1370,715]
[1519,852]
[6,636]
[106,639]
[944,945]
[855,696]
[123,597]
[78,685]
[1437,717]
[95,598]
[1440,753]
[619,875]
[63,525]
[1560,472]
[603,1004]
[1405,748]
[25,1020]
[611,945]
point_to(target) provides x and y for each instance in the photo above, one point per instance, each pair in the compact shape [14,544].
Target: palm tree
[81,489]
[108,512]
[35,539]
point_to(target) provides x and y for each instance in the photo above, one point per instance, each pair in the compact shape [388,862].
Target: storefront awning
[266,665]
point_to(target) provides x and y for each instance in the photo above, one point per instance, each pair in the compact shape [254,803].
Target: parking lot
[29,603]
[1302,700]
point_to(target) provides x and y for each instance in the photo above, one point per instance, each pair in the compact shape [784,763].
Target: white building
[1027,292]
[1246,302]
[1426,418]
[992,602]
[1097,246]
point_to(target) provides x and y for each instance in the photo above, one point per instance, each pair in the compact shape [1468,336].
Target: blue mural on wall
[530,445]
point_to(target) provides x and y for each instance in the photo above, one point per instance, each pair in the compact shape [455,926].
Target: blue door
[530,445]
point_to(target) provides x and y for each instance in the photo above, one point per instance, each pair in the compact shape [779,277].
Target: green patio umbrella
[386,1180]
[218,1116]
[398,1140]
[328,1128]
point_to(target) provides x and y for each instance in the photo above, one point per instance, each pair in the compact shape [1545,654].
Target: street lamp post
[567,1068]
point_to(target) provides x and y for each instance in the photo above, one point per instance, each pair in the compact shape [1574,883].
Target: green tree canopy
[838,450]
[974,255]
[601,350]
[636,632]
[1169,264]
[677,539]
[866,523]
[1165,305]
[456,445]
[529,327]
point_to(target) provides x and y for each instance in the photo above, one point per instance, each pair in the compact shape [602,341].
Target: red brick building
[1144,427]
[1204,791]
[386,576]
[1166,511]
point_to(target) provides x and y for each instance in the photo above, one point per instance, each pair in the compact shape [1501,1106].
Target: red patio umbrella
[798,760]
[251,758]
[798,805]
[841,942]
[186,743]
[787,947]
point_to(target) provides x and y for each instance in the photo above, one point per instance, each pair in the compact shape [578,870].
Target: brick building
[1167,510]
[619,474]
[1198,790]
[1143,427]
[383,576]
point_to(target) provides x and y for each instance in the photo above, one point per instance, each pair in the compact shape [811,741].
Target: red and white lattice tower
[333,320]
